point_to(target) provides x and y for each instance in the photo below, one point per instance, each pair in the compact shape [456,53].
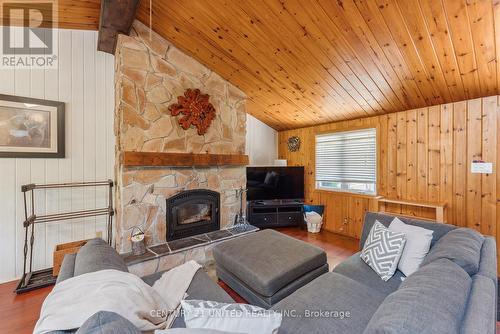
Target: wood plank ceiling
[306,62]
[71,14]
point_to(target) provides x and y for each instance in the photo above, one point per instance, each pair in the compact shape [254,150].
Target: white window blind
[347,161]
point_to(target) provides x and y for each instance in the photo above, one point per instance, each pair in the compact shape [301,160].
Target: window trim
[377,161]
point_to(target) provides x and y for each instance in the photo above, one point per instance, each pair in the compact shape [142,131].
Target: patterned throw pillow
[382,250]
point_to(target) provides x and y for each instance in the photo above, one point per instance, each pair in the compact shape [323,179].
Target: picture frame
[31,128]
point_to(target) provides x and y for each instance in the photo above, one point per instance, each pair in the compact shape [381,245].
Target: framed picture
[31,128]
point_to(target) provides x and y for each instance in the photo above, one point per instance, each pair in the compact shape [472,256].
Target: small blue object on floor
[319,209]
[313,217]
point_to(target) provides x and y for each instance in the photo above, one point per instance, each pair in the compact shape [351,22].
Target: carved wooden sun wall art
[196,108]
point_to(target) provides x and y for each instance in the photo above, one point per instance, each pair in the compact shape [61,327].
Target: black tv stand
[275,213]
[278,202]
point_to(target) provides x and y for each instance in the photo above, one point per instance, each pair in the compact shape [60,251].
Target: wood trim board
[138,159]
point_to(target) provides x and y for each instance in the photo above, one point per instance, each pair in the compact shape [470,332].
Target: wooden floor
[19,313]
[337,247]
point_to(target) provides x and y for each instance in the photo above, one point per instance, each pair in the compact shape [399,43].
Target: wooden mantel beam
[145,159]
[116,18]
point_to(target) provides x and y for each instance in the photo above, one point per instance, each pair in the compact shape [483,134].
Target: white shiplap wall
[84,80]
[261,142]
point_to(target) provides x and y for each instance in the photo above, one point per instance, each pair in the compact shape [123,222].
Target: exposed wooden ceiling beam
[116,18]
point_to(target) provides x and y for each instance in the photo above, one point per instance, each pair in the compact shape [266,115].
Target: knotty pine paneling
[303,63]
[84,80]
[68,14]
[423,154]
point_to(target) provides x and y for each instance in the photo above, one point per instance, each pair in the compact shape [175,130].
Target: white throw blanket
[73,301]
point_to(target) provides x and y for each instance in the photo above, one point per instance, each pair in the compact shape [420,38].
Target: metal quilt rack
[32,280]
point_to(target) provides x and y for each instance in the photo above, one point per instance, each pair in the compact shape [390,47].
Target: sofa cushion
[97,255]
[349,306]
[382,250]
[356,269]
[385,219]
[432,300]
[418,243]
[104,322]
[67,268]
[268,260]
[462,246]
[488,262]
[480,317]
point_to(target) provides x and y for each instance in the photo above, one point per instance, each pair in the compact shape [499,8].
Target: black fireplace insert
[192,212]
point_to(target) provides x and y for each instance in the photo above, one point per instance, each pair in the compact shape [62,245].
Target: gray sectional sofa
[97,255]
[454,291]
[441,297]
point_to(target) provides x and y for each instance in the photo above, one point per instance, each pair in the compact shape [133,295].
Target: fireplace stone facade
[150,74]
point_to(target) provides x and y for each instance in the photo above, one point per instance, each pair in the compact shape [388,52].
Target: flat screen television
[275,183]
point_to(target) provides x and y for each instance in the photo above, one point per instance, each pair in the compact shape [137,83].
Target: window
[346,161]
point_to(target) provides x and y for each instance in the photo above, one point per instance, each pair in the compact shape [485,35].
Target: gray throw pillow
[382,250]
[462,246]
[104,322]
[418,243]
[432,300]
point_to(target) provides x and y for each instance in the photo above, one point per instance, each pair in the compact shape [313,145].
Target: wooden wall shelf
[438,207]
[145,159]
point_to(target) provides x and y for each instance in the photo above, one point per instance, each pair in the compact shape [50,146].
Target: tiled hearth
[173,253]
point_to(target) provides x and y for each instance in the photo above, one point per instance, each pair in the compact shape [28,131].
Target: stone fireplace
[150,74]
[192,212]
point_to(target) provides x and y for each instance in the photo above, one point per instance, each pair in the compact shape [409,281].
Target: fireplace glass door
[192,212]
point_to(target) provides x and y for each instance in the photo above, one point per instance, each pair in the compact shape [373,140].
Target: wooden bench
[438,207]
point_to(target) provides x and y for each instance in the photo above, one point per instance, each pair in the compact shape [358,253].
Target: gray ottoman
[266,266]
